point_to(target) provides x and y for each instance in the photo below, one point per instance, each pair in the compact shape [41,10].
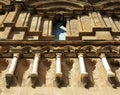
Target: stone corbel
[11,71]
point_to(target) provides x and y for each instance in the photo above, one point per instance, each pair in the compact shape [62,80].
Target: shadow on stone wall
[90,67]
[44,66]
[66,67]
[114,65]
[22,66]
[3,65]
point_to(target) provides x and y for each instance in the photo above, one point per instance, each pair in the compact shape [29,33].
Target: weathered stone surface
[92,28]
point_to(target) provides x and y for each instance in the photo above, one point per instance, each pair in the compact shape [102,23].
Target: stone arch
[68,48]
[4,49]
[110,48]
[4,2]
[46,48]
[106,4]
[66,5]
[89,48]
[26,49]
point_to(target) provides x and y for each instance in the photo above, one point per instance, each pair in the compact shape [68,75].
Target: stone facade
[34,62]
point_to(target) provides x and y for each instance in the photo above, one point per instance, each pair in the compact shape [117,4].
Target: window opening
[59,28]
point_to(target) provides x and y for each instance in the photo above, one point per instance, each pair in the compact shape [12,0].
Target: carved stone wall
[33,62]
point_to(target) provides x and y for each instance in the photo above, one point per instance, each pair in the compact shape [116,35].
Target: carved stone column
[82,65]
[35,64]
[12,68]
[13,64]
[84,74]
[34,73]
[106,65]
[58,65]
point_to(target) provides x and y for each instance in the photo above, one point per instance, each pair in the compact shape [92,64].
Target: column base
[84,76]
[9,78]
[59,74]
[110,74]
[59,78]
[34,74]
[34,77]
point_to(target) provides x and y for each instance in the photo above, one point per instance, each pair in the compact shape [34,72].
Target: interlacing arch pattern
[68,48]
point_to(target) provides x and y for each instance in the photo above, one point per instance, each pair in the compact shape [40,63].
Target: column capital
[37,54]
[80,54]
[16,55]
[17,7]
[58,55]
[102,55]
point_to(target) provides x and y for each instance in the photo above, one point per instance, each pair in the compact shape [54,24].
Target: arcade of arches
[59,47]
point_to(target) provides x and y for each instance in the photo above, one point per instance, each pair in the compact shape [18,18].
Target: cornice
[71,4]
